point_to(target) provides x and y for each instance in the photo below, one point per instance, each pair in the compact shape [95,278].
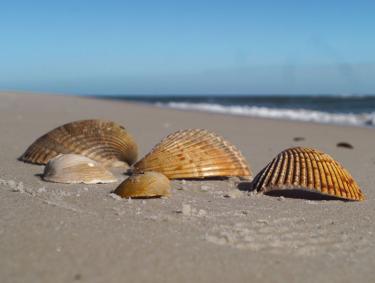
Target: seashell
[73,169]
[194,153]
[307,169]
[147,185]
[102,141]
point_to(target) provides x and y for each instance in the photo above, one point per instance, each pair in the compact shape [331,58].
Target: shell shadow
[299,193]
[302,194]
[140,198]
[203,179]
[39,175]
[129,172]
[245,186]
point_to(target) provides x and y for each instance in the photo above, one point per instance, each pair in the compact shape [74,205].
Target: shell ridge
[290,175]
[183,144]
[268,174]
[309,170]
[276,170]
[281,177]
[317,176]
[334,179]
[297,169]
[347,179]
[330,186]
[304,172]
[341,187]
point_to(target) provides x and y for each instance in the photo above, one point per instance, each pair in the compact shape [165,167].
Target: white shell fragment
[74,169]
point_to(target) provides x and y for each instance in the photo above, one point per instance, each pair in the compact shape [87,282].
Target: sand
[208,231]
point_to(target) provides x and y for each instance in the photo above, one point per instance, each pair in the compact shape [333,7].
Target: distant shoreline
[340,110]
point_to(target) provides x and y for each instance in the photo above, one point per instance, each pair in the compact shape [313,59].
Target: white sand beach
[207,231]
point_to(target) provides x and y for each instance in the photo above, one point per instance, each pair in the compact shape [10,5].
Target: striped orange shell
[147,185]
[102,141]
[308,169]
[194,153]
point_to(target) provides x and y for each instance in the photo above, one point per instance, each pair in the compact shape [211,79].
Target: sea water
[347,110]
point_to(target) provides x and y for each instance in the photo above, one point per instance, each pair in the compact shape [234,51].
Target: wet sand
[208,231]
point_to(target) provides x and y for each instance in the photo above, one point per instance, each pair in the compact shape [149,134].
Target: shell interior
[194,153]
[309,169]
[73,169]
[147,185]
[100,140]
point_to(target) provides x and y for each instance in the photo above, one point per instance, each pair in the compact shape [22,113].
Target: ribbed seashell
[147,185]
[307,169]
[194,153]
[73,169]
[103,141]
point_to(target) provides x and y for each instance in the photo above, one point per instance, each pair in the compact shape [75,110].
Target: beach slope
[208,231]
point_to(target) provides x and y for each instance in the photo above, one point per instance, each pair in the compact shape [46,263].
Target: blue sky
[188,47]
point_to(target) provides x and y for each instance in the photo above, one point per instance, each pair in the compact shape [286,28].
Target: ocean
[344,110]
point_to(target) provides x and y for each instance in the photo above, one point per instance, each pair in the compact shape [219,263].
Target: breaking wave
[362,119]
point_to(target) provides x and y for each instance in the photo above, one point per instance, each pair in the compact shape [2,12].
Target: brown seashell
[307,169]
[147,185]
[73,169]
[103,141]
[194,153]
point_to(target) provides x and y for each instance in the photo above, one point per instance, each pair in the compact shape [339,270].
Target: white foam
[363,119]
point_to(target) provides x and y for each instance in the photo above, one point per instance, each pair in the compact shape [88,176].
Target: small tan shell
[308,169]
[147,185]
[73,169]
[103,141]
[194,153]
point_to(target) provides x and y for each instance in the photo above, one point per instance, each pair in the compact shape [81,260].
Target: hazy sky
[188,47]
